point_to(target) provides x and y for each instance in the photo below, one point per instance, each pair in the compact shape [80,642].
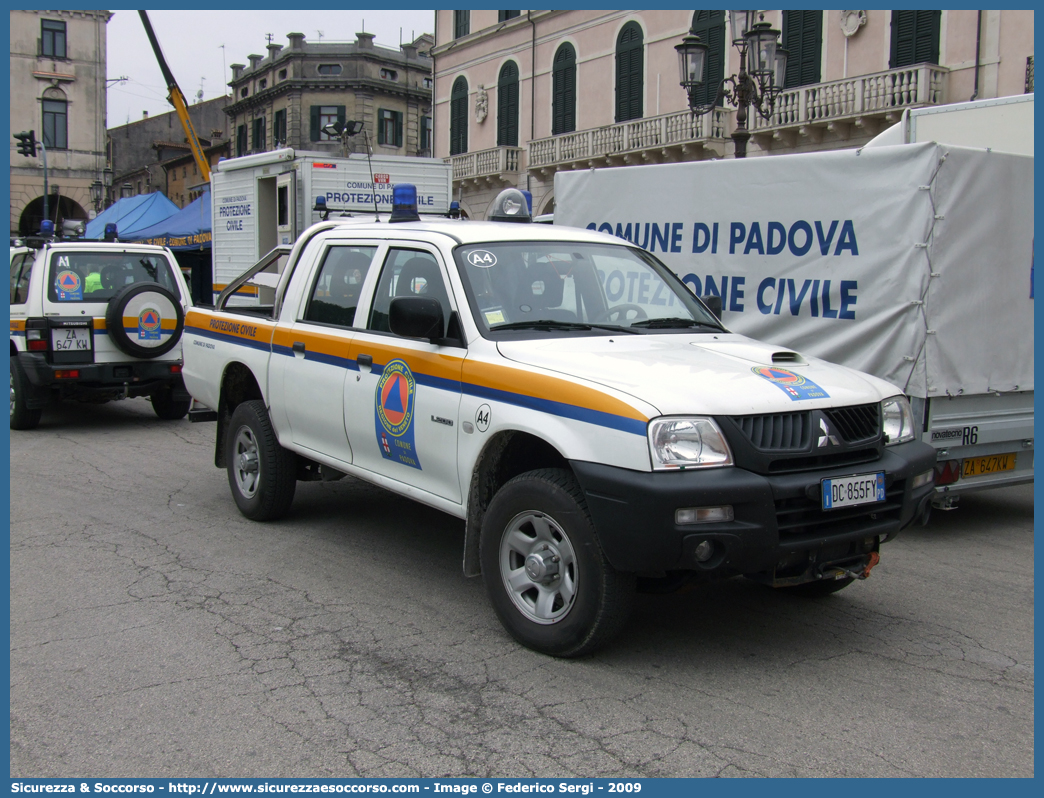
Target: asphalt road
[156,632]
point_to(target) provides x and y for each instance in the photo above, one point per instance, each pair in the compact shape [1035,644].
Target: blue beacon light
[404,203]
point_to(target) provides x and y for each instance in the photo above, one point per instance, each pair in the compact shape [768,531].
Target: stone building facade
[287,97]
[58,61]
[522,95]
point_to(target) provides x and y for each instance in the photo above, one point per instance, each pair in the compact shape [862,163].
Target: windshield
[98,276]
[566,286]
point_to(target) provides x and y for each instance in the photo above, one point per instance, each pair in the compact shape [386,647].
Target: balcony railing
[850,99]
[497,162]
[668,130]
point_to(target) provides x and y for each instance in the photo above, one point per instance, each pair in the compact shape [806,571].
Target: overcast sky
[191,42]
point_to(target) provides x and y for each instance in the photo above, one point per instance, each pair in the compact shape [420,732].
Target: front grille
[856,424]
[799,519]
[812,462]
[778,432]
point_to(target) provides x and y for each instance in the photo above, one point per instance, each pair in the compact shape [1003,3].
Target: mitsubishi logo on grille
[826,438]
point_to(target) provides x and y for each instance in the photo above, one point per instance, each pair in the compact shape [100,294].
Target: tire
[533,519]
[135,301]
[261,473]
[168,408]
[817,589]
[22,417]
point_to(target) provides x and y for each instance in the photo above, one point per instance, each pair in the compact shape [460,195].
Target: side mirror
[713,304]
[416,317]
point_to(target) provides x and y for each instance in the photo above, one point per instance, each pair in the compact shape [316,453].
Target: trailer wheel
[261,473]
[544,570]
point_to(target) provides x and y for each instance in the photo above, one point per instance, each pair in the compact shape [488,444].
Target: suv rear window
[99,276]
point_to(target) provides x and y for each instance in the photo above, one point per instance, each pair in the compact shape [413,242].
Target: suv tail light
[36,335]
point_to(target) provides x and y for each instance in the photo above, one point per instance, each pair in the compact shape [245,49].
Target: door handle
[299,347]
[364,360]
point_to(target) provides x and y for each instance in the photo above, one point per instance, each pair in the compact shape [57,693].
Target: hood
[721,374]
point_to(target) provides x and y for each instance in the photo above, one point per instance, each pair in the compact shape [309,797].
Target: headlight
[687,443]
[898,420]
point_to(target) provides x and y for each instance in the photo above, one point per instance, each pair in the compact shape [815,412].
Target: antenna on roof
[269,37]
[320,35]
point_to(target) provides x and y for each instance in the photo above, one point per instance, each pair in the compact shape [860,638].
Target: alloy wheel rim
[538,567]
[246,464]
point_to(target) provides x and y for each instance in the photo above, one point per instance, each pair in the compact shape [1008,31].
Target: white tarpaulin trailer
[911,262]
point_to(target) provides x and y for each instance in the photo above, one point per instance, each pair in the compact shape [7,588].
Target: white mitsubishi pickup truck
[563,392]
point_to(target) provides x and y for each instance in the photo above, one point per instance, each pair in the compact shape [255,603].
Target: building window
[427,82]
[259,135]
[507,106]
[241,140]
[389,128]
[52,38]
[323,115]
[389,74]
[262,84]
[279,128]
[915,38]
[459,117]
[243,92]
[461,23]
[710,27]
[282,74]
[504,16]
[425,134]
[329,69]
[629,72]
[55,124]
[803,39]
[563,91]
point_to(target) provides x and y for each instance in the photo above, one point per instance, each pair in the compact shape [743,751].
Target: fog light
[67,374]
[923,479]
[175,368]
[704,551]
[703,515]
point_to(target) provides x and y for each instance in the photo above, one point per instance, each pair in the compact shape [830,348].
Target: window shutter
[563,99]
[629,79]
[459,117]
[341,117]
[398,128]
[803,38]
[507,106]
[915,38]
[380,126]
[314,122]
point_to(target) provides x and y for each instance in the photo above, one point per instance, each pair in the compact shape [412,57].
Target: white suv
[95,321]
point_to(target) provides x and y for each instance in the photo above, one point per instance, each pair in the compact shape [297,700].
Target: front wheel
[544,570]
[22,417]
[261,473]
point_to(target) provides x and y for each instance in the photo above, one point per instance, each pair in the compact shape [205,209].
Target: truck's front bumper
[779,529]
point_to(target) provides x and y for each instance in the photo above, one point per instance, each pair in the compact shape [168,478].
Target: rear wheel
[168,408]
[261,473]
[544,570]
[22,417]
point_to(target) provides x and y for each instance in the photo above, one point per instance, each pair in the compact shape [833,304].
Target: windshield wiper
[540,324]
[675,323]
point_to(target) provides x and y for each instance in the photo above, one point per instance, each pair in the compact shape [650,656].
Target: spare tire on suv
[148,309]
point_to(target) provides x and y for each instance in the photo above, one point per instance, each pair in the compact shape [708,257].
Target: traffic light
[27,143]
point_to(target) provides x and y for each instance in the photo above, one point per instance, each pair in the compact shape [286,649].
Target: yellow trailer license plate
[992,464]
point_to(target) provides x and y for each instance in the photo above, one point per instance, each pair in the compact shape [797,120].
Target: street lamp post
[107,183]
[96,190]
[763,63]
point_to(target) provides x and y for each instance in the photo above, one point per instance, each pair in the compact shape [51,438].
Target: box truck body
[910,262]
[1004,124]
[266,200]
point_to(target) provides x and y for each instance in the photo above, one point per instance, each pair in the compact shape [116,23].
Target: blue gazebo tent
[187,229]
[131,214]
